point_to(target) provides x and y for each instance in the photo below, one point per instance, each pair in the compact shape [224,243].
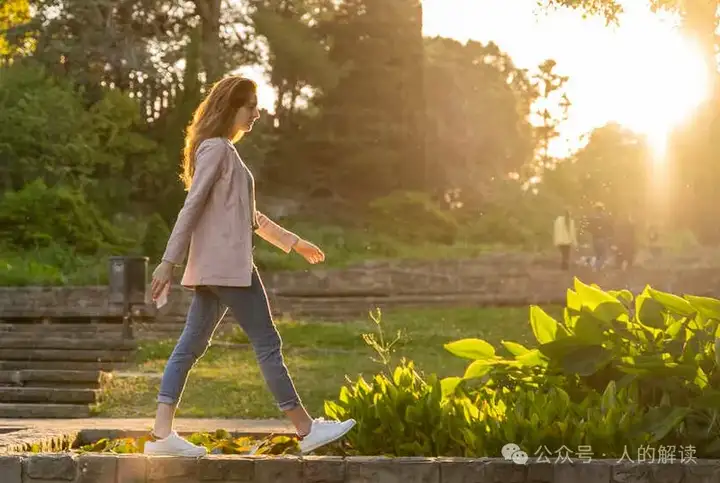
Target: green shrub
[44,128]
[618,373]
[40,216]
[156,237]
[52,265]
[412,217]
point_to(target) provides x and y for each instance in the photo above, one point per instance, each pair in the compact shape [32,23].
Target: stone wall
[87,468]
[487,281]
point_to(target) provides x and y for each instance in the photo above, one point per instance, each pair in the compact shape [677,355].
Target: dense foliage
[617,373]
[97,114]
[217,442]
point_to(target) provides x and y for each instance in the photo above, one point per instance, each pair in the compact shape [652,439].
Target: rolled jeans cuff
[166,400]
[289,405]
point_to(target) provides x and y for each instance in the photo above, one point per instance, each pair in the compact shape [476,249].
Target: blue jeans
[250,308]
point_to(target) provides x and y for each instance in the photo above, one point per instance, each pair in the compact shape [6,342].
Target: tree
[12,14]
[477,108]
[552,112]
[369,138]
[613,168]
[298,60]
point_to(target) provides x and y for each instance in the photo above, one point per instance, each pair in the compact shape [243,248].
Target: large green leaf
[473,349]
[573,300]
[478,369]
[590,328]
[545,328]
[649,311]
[586,361]
[609,397]
[449,384]
[659,369]
[602,304]
[558,349]
[661,421]
[623,295]
[672,303]
[532,358]
[514,348]
[709,308]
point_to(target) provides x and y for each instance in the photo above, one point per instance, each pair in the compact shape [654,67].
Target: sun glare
[643,74]
[659,86]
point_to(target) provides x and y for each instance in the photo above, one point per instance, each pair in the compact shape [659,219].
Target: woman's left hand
[309,252]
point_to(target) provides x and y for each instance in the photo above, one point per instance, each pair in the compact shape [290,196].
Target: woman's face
[246,116]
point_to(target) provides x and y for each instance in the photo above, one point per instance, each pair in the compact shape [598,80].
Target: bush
[619,372]
[412,217]
[40,216]
[51,266]
[156,237]
[43,128]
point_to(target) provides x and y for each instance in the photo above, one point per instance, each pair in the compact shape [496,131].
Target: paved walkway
[143,424]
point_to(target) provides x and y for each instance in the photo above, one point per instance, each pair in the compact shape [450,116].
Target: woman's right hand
[161,277]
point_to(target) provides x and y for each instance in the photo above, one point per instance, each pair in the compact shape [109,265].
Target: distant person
[600,229]
[216,223]
[565,237]
[626,243]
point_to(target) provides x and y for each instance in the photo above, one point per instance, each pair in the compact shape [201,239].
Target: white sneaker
[174,445]
[323,432]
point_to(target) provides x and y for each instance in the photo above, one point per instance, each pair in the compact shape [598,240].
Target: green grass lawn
[227,382]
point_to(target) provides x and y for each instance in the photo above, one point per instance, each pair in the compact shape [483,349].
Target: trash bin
[127,280]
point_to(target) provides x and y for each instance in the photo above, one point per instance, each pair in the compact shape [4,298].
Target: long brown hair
[214,117]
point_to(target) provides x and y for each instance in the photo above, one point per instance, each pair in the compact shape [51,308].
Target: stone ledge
[95,468]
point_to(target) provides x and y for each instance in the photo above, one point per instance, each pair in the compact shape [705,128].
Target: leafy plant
[217,442]
[617,373]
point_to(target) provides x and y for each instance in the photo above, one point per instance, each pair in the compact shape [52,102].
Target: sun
[659,81]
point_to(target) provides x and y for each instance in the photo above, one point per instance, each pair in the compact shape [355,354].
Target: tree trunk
[211,54]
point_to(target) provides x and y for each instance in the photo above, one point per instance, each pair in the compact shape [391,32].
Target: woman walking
[215,227]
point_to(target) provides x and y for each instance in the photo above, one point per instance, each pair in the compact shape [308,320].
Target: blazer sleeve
[208,166]
[273,233]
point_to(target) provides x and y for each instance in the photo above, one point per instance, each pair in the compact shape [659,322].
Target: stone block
[172,469]
[543,472]
[630,472]
[10,469]
[463,470]
[132,468]
[326,469]
[701,471]
[59,467]
[501,471]
[271,469]
[392,470]
[226,468]
[592,472]
[667,473]
[96,468]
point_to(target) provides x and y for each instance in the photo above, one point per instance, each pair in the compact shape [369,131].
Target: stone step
[64,355]
[41,411]
[47,395]
[65,343]
[53,378]
[75,365]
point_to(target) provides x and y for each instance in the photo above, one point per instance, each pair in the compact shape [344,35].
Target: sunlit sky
[642,74]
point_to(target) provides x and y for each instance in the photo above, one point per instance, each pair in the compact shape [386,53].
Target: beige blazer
[215,221]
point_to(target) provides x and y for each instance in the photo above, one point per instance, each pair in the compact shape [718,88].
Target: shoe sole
[318,445]
[168,453]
